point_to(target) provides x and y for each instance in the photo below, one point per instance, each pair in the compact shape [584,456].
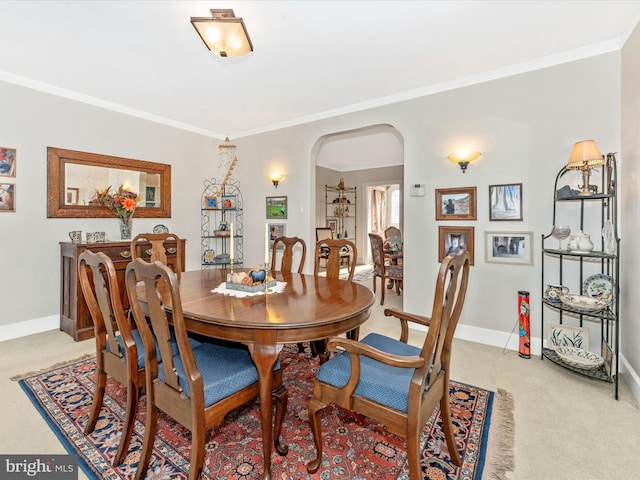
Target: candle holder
[266,283]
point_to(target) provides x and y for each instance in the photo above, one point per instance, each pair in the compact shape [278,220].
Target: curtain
[378,210]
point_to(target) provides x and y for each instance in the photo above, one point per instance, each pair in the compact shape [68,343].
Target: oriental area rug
[354,446]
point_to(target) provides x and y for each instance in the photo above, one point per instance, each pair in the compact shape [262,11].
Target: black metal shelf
[605,313]
[598,373]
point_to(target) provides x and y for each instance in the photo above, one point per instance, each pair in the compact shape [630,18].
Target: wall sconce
[585,156]
[463,158]
[275,178]
[224,33]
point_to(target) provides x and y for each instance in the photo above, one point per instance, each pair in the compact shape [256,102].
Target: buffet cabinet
[75,318]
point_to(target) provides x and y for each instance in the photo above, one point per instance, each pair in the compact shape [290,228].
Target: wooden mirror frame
[58,158]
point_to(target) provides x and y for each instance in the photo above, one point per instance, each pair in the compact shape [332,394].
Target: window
[395,207]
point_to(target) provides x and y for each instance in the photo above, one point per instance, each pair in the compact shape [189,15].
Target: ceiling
[312,59]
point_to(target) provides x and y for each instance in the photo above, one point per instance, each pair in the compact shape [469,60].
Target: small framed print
[332,223]
[505,202]
[276,207]
[509,247]
[150,194]
[72,196]
[454,239]
[277,230]
[456,203]
[7,162]
[211,202]
[229,202]
[7,197]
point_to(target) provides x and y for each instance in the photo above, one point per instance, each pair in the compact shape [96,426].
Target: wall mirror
[74,177]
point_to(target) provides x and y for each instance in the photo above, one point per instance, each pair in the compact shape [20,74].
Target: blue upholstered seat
[379,382]
[140,346]
[225,370]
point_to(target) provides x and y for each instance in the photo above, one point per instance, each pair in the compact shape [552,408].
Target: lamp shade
[585,154]
[463,156]
[224,33]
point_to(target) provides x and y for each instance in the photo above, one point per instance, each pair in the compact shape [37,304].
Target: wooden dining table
[309,308]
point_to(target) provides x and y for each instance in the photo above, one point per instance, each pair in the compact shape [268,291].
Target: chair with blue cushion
[198,386]
[119,349]
[395,383]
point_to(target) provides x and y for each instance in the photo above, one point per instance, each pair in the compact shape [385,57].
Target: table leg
[264,355]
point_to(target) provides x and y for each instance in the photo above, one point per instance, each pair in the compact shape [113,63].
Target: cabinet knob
[125,253]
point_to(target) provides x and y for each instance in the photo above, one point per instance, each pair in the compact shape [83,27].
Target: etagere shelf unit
[595,214]
[341,208]
[221,206]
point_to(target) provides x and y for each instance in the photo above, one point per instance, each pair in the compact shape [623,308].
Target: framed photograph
[211,202]
[509,247]
[277,207]
[7,197]
[229,202]
[150,194]
[7,162]
[456,203]
[277,230]
[505,202]
[332,223]
[72,196]
[454,239]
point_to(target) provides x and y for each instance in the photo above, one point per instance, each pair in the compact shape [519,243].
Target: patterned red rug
[354,447]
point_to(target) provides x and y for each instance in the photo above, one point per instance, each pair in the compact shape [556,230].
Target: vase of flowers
[392,245]
[121,203]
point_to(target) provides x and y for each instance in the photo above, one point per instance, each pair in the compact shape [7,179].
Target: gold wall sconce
[464,158]
[275,178]
[224,33]
[585,156]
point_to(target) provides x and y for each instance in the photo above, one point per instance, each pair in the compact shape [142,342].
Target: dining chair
[161,244]
[197,386]
[395,383]
[119,348]
[392,232]
[325,233]
[380,268]
[333,251]
[290,247]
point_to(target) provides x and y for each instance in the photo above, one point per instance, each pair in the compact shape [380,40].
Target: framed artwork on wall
[456,203]
[277,230]
[228,202]
[211,202]
[7,197]
[454,239]
[72,196]
[7,162]
[332,223]
[509,247]
[276,207]
[505,202]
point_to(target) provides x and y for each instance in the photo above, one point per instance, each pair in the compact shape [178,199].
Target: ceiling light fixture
[463,158]
[224,33]
[585,156]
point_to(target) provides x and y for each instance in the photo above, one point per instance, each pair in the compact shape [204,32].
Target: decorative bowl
[583,302]
[580,358]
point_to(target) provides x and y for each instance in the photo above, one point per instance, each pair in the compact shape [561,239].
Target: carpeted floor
[355,448]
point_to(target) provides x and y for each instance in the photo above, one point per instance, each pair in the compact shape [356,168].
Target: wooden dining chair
[392,232]
[161,244]
[333,252]
[119,348]
[291,245]
[197,386]
[380,268]
[395,383]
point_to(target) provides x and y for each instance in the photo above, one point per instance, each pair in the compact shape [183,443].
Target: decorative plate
[565,336]
[160,229]
[599,286]
[579,357]
[583,302]
[208,257]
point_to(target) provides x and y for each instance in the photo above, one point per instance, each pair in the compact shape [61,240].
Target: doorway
[383,209]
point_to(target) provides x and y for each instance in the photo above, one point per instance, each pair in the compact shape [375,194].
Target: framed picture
[332,223]
[7,197]
[229,202]
[509,247]
[277,230]
[72,196]
[211,202]
[454,239]
[456,203]
[505,202]
[276,207]
[150,194]
[7,162]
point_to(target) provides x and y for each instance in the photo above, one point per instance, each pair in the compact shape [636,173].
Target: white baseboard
[29,327]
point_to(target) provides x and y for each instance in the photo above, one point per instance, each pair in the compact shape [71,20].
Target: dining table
[307,308]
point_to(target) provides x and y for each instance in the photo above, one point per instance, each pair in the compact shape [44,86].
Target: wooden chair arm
[355,348]
[390,312]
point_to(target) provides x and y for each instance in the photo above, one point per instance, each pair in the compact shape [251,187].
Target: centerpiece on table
[254,280]
[121,203]
[392,245]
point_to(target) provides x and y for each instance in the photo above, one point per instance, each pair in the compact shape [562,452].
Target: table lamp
[585,156]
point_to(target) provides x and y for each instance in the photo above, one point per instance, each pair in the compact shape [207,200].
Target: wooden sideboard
[75,318]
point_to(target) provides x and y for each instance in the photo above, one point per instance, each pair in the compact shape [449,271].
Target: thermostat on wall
[417,190]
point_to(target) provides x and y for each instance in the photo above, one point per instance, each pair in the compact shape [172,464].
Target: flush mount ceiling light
[463,158]
[224,33]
